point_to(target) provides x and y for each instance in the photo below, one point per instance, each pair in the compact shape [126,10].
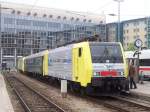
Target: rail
[31,99]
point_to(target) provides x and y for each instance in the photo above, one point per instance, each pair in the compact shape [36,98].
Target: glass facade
[148,31]
[22,35]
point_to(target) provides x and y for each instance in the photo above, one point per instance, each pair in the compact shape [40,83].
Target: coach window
[80,52]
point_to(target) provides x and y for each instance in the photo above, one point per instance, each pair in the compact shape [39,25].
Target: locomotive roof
[68,47]
[104,43]
[36,54]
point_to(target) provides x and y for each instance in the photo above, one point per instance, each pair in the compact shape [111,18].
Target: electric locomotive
[94,65]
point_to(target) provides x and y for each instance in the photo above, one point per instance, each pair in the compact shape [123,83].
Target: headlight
[121,73]
[96,73]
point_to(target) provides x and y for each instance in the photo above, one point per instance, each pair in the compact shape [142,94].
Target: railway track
[31,100]
[123,104]
[120,103]
[129,105]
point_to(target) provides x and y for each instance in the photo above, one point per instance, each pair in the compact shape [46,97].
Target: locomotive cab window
[80,52]
[144,62]
[100,53]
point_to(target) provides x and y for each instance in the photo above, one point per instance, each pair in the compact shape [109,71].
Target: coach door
[77,64]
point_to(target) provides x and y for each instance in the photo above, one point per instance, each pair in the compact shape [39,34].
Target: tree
[130,47]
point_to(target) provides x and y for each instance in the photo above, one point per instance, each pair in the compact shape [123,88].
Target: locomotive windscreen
[106,53]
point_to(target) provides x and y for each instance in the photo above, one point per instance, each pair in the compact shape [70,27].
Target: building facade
[26,29]
[135,29]
[111,32]
[130,30]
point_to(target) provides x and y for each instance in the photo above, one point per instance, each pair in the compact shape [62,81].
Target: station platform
[5,103]
[142,89]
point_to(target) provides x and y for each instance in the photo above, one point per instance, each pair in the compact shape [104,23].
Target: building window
[145,43]
[136,37]
[18,12]
[101,22]
[54,25]
[39,23]
[124,38]
[127,31]
[72,18]
[28,13]
[90,21]
[77,19]
[13,11]
[35,14]
[44,15]
[84,20]
[58,17]
[136,30]
[50,16]
[113,32]
[23,22]
[65,18]
[9,21]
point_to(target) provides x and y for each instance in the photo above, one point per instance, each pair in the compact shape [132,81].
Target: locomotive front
[109,66]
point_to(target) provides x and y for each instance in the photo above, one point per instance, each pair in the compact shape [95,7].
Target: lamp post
[1,50]
[119,1]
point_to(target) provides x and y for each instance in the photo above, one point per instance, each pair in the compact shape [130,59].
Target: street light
[119,1]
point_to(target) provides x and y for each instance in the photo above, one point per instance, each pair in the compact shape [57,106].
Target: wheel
[75,87]
[83,91]
[89,90]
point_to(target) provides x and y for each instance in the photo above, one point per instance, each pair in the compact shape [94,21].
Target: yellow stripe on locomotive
[20,64]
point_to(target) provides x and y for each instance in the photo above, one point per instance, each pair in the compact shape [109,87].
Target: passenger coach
[144,62]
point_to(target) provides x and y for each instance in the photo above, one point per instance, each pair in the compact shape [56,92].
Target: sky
[129,9]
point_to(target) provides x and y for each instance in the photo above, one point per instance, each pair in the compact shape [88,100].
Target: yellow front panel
[18,64]
[124,61]
[45,64]
[82,66]
[23,64]
[75,64]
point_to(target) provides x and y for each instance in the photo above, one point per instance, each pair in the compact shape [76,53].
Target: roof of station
[52,13]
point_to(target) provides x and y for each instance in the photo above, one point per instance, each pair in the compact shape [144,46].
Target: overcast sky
[129,8]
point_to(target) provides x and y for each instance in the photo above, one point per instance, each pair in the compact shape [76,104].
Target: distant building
[111,32]
[135,29]
[27,29]
[130,30]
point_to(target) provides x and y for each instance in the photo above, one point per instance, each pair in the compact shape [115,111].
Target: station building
[26,29]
